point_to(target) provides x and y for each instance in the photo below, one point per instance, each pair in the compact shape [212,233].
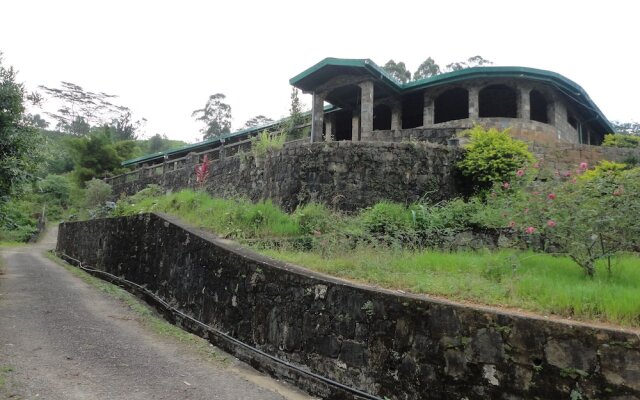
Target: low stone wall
[346,175]
[391,345]
[566,157]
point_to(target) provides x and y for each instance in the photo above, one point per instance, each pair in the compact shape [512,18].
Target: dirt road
[61,338]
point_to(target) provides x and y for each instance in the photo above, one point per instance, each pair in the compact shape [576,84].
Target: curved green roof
[329,67]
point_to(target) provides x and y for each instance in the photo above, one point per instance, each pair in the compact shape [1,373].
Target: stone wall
[389,344]
[347,175]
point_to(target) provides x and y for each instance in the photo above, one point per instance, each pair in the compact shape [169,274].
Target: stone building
[369,104]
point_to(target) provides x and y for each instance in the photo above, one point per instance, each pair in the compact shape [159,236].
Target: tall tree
[398,71]
[258,120]
[427,69]
[216,116]
[20,142]
[475,61]
[629,128]
[81,109]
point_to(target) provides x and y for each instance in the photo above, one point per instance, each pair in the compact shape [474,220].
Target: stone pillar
[524,105]
[329,128]
[317,117]
[355,127]
[428,113]
[366,107]
[474,103]
[396,117]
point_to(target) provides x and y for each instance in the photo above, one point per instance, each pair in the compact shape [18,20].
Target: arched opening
[451,105]
[381,117]
[539,107]
[412,110]
[498,101]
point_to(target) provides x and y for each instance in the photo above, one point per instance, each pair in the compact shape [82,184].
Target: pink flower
[505,185]
[536,165]
[520,172]
[584,166]
[567,174]
[530,230]
[551,196]
[551,223]
[619,191]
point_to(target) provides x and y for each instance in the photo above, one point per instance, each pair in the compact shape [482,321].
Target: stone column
[474,103]
[524,105]
[317,117]
[329,126]
[428,113]
[366,107]
[396,117]
[355,127]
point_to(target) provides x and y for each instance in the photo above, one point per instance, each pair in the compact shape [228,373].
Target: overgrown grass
[350,247]
[144,313]
[538,282]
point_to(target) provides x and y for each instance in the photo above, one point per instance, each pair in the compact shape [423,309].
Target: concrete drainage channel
[260,360]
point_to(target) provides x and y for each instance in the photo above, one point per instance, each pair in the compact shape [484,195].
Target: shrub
[387,219]
[267,142]
[621,140]
[56,190]
[493,156]
[97,193]
[313,218]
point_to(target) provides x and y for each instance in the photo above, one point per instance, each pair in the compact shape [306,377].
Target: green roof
[309,79]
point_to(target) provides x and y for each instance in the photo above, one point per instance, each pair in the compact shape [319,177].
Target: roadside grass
[147,316]
[4,374]
[322,240]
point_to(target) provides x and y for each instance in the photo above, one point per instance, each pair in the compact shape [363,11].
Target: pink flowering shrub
[587,214]
[202,172]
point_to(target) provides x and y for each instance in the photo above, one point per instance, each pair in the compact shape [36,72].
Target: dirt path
[61,338]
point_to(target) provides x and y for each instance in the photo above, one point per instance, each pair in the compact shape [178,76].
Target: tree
[397,71]
[20,142]
[96,155]
[259,120]
[427,69]
[216,116]
[629,128]
[475,61]
[81,109]
[295,116]
[37,121]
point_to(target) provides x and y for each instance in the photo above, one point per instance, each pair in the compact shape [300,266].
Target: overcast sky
[164,58]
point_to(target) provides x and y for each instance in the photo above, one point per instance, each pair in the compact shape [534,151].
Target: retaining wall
[389,344]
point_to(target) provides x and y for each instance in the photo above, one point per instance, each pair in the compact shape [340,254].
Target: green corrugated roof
[208,143]
[319,73]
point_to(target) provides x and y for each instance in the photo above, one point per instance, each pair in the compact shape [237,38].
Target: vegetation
[621,140]
[216,116]
[267,142]
[429,68]
[493,156]
[373,247]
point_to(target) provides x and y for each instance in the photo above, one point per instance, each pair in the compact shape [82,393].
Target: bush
[267,142]
[621,140]
[387,219]
[493,156]
[97,193]
[55,189]
[313,218]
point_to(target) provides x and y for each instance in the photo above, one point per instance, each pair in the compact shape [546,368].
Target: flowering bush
[202,172]
[588,215]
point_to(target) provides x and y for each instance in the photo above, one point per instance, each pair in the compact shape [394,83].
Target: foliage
[98,192]
[267,142]
[257,121]
[296,119]
[493,156]
[216,115]
[96,156]
[202,172]
[387,219]
[398,71]
[427,69]
[81,109]
[313,218]
[475,61]
[157,143]
[20,151]
[54,190]
[585,217]
[626,128]
[621,140]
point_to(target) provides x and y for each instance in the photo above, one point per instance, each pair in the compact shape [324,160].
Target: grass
[145,315]
[536,282]
[531,281]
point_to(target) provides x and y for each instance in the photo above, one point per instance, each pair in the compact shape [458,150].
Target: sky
[165,58]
